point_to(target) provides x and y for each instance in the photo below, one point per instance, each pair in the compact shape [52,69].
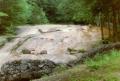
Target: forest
[19,12]
[59,40]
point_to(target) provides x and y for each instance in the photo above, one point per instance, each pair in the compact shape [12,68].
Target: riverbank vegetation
[100,68]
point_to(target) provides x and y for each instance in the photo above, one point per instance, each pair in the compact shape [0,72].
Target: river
[53,40]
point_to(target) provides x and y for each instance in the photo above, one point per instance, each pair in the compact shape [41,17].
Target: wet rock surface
[25,70]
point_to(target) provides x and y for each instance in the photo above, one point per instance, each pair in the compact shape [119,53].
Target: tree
[50,8]
[38,15]
[75,11]
[109,17]
[18,13]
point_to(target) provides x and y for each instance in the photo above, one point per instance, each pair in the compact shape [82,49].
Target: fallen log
[91,53]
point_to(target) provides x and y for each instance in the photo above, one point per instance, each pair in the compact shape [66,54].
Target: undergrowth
[103,67]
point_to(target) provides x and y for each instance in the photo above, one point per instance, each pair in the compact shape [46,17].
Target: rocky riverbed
[48,42]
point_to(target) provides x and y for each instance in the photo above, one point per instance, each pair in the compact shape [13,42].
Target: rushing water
[55,39]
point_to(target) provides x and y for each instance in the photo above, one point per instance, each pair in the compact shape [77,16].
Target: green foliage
[38,15]
[50,8]
[102,60]
[18,12]
[3,40]
[3,14]
[108,70]
[75,11]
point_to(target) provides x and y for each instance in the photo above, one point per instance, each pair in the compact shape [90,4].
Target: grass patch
[104,67]
[101,60]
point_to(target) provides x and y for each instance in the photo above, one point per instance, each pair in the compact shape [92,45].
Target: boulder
[25,70]
[26,51]
[43,52]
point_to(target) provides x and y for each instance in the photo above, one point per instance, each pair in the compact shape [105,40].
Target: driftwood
[48,31]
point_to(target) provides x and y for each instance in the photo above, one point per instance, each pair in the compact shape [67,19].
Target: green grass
[104,67]
[101,60]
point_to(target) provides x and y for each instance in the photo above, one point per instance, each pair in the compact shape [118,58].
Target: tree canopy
[20,12]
